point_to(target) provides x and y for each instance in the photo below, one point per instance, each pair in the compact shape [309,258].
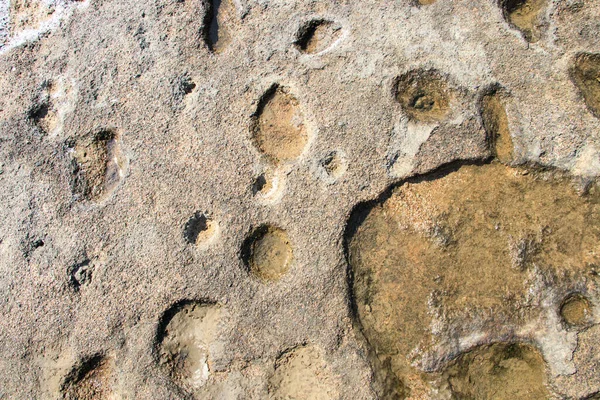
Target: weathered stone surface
[144,145]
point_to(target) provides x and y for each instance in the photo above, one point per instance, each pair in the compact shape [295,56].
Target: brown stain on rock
[454,246]
[585,73]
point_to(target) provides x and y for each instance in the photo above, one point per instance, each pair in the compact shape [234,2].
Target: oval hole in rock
[317,35]
[278,128]
[199,229]
[185,335]
[585,74]
[576,310]
[525,15]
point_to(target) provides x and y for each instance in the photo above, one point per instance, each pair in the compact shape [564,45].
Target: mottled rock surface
[235,199]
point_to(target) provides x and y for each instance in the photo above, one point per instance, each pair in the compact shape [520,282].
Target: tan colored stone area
[279,129]
[526,15]
[585,72]
[499,372]
[461,246]
[303,374]
[28,14]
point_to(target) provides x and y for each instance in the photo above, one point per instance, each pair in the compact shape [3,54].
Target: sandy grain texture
[143,143]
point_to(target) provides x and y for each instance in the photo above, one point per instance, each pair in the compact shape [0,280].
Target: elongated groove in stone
[185,335]
[585,73]
[458,243]
[278,128]
[495,122]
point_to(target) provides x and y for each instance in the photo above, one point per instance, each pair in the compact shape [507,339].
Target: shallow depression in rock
[303,374]
[457,246]
[99,165]
[585,73]
[424,95]
[267,253]
[92,380]
[497,372]
[278,128]
[185,336]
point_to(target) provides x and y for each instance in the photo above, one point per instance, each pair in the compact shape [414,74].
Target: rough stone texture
[183,115]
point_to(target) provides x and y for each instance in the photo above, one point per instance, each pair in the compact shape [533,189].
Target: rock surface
[189,190]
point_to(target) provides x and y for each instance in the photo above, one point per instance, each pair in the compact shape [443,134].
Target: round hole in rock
[424,95]
[576,310]
[185,336]
[267,253]
[199,229]
[317,35]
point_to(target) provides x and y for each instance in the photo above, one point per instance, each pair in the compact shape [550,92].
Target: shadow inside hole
[195,226]
[213,28]
[259,184]
[39,112]
[80,274]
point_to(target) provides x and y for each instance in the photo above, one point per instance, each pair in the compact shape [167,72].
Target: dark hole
[213,27]
[306,33]
[511,6]
[38,113]
[259,184]
[187,86]
[194,226]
